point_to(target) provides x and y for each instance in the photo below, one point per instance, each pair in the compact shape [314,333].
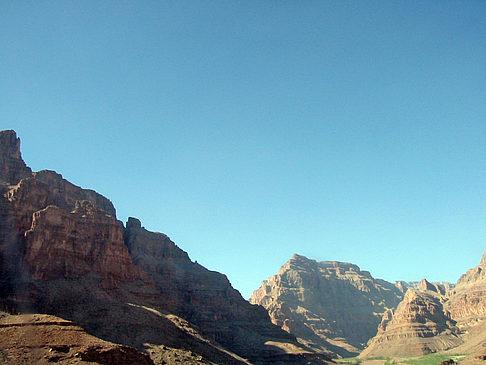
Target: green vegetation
[431,359]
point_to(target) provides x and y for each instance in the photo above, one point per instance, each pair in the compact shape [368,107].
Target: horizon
[248,132]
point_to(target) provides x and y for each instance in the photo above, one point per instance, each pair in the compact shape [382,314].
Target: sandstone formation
[328,305]
[432,319]
[467,305]
[64,253]
[467,301]
[44,339]
[419,325]
[441,286]
[68,245]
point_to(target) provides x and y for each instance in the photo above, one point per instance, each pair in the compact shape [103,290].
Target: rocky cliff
[64,253]
[432,319]
[12,167]
[468,299]
[328,305]
[419,325]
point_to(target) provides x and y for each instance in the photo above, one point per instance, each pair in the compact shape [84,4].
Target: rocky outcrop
[68,245]
[47,188]
[467,306]
[441,286]
[328,305]
[432,319]
[12,167]
[419,325]
[62,252]
[467,301]
[44,339]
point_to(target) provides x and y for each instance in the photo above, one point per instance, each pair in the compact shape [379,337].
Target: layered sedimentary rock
[441,286]
[68,245]
[328,305]
[467,305]
[468,299]
[419,325]
[63,252]
[432,319]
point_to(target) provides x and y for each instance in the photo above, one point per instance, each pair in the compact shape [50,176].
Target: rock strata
[419,325]
[432,319]
[330,306]
[68,245]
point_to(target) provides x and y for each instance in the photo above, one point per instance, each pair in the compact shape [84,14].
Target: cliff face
[431,319]
[419,325]
[63,252]
[328,305]
[12,167]
[468,299]
[68,245]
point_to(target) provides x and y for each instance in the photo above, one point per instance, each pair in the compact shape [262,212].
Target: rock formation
[419,325]
[432,319]
[328,305]
[12,167]
[468,299]
[68,245]
[64,253]
[441,286]
[467,305]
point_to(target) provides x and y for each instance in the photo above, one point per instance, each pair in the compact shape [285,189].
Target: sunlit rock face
[419,325]
[328,305]
[68,245]
[468,299]
[433,319]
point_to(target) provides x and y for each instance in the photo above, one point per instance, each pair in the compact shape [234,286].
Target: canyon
[79,286]
[63,253]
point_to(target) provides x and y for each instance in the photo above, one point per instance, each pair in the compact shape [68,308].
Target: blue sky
[251,130]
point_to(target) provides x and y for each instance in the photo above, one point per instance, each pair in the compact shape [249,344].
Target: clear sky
[251,130]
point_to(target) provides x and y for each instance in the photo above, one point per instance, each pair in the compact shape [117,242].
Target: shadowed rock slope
[64,253]
[45,339]
[328,305]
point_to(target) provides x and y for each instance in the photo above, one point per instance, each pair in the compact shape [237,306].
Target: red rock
[64,253]
[67,245]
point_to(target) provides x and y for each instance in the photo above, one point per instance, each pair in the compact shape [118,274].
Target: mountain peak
[12,167]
